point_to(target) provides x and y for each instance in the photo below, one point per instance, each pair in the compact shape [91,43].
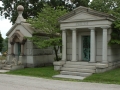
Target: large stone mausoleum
[85,49]
[22,50]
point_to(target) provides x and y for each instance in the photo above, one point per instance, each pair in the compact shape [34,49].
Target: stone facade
[23,50]
[85,37]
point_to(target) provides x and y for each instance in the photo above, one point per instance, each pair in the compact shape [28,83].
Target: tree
[1,42]
[108,6]
[80,2]
[68,4]
[32,7]
[111,7]
[47,22]
[5,45]
[9,8]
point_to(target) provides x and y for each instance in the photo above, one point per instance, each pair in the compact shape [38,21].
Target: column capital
[73,29]
[105,27]
[91,28]
[63,29]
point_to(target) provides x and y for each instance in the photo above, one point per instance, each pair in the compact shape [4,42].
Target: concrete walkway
[12,82]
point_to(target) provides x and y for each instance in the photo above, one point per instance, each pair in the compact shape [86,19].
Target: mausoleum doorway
[85,48]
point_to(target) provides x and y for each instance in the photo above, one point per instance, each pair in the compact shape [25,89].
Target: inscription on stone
[81,23]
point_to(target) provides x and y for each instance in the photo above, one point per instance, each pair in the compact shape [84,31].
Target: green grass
[112,77]
[46,72]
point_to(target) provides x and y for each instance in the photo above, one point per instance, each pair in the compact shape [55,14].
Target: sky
[5,25]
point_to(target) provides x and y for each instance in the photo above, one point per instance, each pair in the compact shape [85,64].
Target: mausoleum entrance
[85,48]
[17,43]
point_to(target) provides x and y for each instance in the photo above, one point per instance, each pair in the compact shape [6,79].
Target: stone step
[8,65]
[78,70]
[75,73]
[79,66]
[6,68]
[80,63]
[69,76]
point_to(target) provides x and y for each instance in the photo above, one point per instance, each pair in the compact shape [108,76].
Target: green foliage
[1,42]
[81,2]
[47,22]
[5,45]
[111,7]
[108,6]
[115,35]
[9,8]
[42,42]
[32,7]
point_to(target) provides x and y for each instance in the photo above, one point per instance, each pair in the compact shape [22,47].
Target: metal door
[86,48]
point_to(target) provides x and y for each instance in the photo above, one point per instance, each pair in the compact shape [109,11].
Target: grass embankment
[46,72]
[112,76]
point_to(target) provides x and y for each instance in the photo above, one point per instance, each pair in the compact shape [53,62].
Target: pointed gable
[82,13]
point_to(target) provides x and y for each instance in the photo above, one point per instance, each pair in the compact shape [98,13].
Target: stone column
[104,45]
[74,45]
[22,49]
[12,48]
[92,45]
[64,45]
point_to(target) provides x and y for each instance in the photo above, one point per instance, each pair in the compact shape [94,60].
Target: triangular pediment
[83,16]
[83,13]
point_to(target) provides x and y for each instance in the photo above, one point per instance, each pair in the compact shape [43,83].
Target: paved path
[12,82]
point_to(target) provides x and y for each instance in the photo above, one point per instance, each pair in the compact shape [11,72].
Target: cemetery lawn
[45,72]
[111,77]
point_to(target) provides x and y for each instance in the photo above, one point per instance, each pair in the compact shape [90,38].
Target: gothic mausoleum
[85,49]
[21,50]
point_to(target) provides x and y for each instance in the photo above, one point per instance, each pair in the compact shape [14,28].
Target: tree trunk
[56,53]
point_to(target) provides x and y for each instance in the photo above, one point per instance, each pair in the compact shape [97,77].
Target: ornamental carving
[17,37]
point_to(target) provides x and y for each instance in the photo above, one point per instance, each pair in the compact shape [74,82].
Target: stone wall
[38,57]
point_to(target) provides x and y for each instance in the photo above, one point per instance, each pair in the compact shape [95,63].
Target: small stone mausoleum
[85,37]
[24,50]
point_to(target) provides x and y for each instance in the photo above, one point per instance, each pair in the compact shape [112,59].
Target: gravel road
[13,82]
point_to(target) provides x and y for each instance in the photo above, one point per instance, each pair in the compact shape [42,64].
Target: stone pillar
[74,45]
[12,48]
[22,49]
[64,45]
[92,45]
[104,45]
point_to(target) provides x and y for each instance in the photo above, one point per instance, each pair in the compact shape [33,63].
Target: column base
[104,62]
[73,60]
[92,61]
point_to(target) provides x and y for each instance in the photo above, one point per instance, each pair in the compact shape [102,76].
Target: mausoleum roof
[85,10]
[21,21]
[27,26]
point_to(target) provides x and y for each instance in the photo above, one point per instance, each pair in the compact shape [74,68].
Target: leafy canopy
[32,7]
[111,7]
[47,22]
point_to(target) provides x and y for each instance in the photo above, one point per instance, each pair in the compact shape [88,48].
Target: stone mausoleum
[85,49]
[22,50]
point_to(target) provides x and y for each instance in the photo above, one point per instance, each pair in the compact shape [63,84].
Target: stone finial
[20,18]
[20,8]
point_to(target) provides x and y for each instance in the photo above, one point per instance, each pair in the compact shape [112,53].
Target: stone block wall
[38,57]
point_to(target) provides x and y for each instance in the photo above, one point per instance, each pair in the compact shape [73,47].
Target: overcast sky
[5,25]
